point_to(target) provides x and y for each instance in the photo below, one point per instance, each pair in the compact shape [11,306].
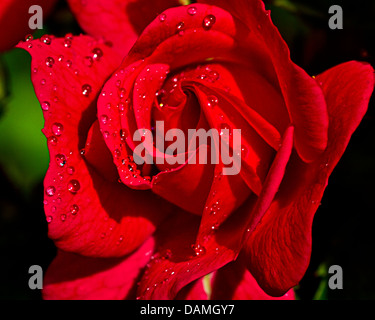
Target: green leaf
[321,292]
[23,148]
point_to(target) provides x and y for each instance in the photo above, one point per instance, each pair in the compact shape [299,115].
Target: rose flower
[157,230]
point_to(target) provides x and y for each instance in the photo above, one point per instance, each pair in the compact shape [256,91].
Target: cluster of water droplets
[207,23]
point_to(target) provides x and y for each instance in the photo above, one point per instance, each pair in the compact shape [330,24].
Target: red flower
[223,66]
[14,20]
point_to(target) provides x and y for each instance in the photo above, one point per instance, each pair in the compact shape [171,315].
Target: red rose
[14,20]
[197,66]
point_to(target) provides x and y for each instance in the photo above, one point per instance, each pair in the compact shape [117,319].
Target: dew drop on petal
[122,93]
[117,153]
[106,134]
[70,170]
[49,219]
[63,217]
[208,22]
[74,209]
[104,119]
[67,43]
[46,39]
[29,37]
[50,191]
[74,186]
[180,27]
[199,250]
[162,17]
[86,90]
[88,61]
[52,140]
[97,54]
[212,101]
[45,105]
[60,160]
[192,10]
[50,62]
[57,129]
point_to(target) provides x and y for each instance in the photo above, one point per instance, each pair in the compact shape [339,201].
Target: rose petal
[176,263]
[120,21]
[279,249]
[235,282]
[74,277]
[87,213]
[304,98]
[193,291]
[98,155]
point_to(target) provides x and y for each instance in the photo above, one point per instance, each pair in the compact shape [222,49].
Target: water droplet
[180,27]
[50,62]
[88,61]
[199,250]
[74,186]
[104,119]
[225,126]
[82,152]
[70,170]
[123,134]
[74,209]
[243,150]
[49,219]
[106,134]
[213,76]
[122,93]
[46,39]
[67,43]
[162,17]
[63,217]
[69,63]
[86,90]
[208,22]
[52,140]
[117,153]
[45,105]
[212,101]
[97,54]
[60,160]
[43,82]
[192,10]
[29,37]
[57,129]
[50,191]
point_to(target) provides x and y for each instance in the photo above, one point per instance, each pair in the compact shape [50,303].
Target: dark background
[343,231]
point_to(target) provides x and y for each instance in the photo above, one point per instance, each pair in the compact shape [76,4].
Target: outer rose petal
[14,19]
[120,21]
[176,263]
[193,291]
[304,99]
[278,252]
[235,282]
[87,212]
[73,277]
